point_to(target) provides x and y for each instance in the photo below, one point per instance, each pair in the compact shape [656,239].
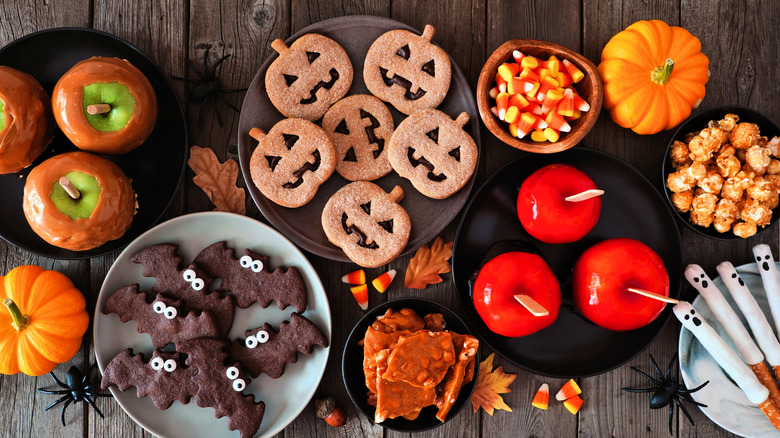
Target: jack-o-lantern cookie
[407,70]
[308,77]
[367,223]
[291,161]
[360,127]
[433,152]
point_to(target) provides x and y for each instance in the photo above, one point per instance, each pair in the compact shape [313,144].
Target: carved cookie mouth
[334,76]
[370,134]
[362,238]
[298,174]
[403,82]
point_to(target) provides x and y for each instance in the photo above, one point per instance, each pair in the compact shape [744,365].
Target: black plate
[355,380]
[698,122]
[631,207]
[303,225]
[156,167]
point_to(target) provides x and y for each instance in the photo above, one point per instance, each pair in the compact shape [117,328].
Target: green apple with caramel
[112,104]
[87,194]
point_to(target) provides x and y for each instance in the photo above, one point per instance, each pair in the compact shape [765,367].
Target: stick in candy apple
[770,277]
[728,360]
[744,344]
[584,196]
[759,325]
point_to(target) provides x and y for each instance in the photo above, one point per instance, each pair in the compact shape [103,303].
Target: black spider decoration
[208,88]
[668,390]
[76,390]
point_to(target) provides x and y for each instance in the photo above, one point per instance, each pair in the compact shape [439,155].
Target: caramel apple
[25,120]
[78,201]
[105,105]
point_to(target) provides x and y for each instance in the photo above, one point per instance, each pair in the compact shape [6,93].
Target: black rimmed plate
[631,207]
[303,225]
[355,380]
[156,167]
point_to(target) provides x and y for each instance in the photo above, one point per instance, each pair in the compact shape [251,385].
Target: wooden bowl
[590,88]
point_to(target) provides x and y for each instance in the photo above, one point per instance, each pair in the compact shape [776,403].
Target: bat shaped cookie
[163,378]
[190,284]
[161,317]
[221,385]
[250,278]
[266,351]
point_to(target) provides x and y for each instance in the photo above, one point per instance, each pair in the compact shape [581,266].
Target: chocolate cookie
[251,279]
[360,126]
[407,70]
[308,77]
[266,351]
[291,161]
[433,152]
[367,223]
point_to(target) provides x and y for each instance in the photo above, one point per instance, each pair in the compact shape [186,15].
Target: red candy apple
[602,276]
[510,274]
[543,210]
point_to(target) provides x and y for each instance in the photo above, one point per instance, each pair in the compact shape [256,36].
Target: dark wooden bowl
[590,88]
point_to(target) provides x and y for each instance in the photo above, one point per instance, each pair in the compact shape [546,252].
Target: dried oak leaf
[489,385]
[426,265]
[218,180]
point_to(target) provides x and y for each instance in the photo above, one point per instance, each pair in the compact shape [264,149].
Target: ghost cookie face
[308,77]
[360,126]
[433,152]
[291,162]
[367,223]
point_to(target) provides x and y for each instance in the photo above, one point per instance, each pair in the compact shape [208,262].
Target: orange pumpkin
[654,75]
[44,322]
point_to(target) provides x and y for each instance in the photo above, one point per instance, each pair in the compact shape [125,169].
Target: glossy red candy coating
[509,274]
[544,212]
[604,272]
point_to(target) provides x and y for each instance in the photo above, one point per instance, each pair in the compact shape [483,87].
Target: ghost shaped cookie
[360,127]
[367,223]
[433,152]
[407,70]
[308,77]
[291,162]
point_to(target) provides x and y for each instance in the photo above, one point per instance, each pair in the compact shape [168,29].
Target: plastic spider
[76,390]
[207,87]
[668,390]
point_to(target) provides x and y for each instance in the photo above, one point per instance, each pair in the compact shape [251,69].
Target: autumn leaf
[426,265]
[217,179]
[489,385]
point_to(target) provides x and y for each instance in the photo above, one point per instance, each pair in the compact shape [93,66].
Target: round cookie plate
[302,225]
[284,397]
[631,207]
[156,167]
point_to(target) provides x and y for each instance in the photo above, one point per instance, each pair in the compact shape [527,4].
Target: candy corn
[355,277]
[382,282]
[573,404]
[507,71]
[568,390]
[575,73]
[542,397]
[360,293]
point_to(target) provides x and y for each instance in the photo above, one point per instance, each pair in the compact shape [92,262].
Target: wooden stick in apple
[531,305]
[728,360]
[759,325]
[653,295]
[98,108]
[70,189]
[582,196]
[771,279]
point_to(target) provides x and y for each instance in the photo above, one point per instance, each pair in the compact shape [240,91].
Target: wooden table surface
[739,37]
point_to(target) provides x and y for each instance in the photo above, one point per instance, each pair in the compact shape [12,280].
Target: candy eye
[157,363]
[239,385]
[171,312]
[232,373]
[189,275]
[170,365]
[251,342]
[198,284]
[262,336]
[158,306]
[246,261]
[257,265]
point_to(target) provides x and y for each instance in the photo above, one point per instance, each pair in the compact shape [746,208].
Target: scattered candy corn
[573,404]
[568,390]
[382,282]
[542,397]
[360,293]
[355,277]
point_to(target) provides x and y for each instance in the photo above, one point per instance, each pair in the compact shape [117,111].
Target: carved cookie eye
[170,312]
[157,363]
[170,365]
[159,307]
[239,385]
[251,342]
[232,373]
[262,336]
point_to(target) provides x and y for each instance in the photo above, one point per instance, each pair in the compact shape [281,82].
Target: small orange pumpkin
[654,75]
[44,322]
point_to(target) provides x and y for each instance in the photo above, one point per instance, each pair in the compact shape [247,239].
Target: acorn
[327,410]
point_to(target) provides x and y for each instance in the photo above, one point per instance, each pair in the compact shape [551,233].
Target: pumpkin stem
[20,321]
[660,75]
